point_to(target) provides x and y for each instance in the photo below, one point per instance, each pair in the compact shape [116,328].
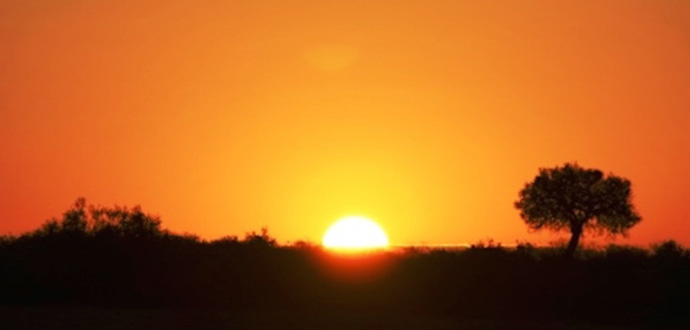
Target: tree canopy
[575,198]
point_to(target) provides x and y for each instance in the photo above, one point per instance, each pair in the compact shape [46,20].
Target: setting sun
[355,233]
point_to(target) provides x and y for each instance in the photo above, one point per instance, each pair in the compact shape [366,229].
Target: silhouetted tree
[576,198]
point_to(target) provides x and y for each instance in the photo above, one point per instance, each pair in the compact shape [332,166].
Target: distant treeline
[120,257]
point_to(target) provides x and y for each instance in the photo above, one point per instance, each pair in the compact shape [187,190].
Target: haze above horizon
[429,117]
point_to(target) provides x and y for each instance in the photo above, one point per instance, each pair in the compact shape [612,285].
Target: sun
[355,233]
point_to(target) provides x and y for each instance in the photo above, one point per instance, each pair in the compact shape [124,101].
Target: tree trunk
[576,232]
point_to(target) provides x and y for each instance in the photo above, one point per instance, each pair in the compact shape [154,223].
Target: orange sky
[428,116]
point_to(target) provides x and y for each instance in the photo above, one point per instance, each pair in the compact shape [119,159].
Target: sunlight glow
[355,233]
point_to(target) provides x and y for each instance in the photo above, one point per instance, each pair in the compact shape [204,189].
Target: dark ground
[116,269]
[78,318]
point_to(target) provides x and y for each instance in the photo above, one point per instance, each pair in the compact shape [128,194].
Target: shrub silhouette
[575,198]
[262,239]
[670,250]
[83,220]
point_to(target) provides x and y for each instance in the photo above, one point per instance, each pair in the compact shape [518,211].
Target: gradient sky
[427,116]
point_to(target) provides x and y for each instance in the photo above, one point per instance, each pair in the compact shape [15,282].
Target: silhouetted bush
[670,250]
